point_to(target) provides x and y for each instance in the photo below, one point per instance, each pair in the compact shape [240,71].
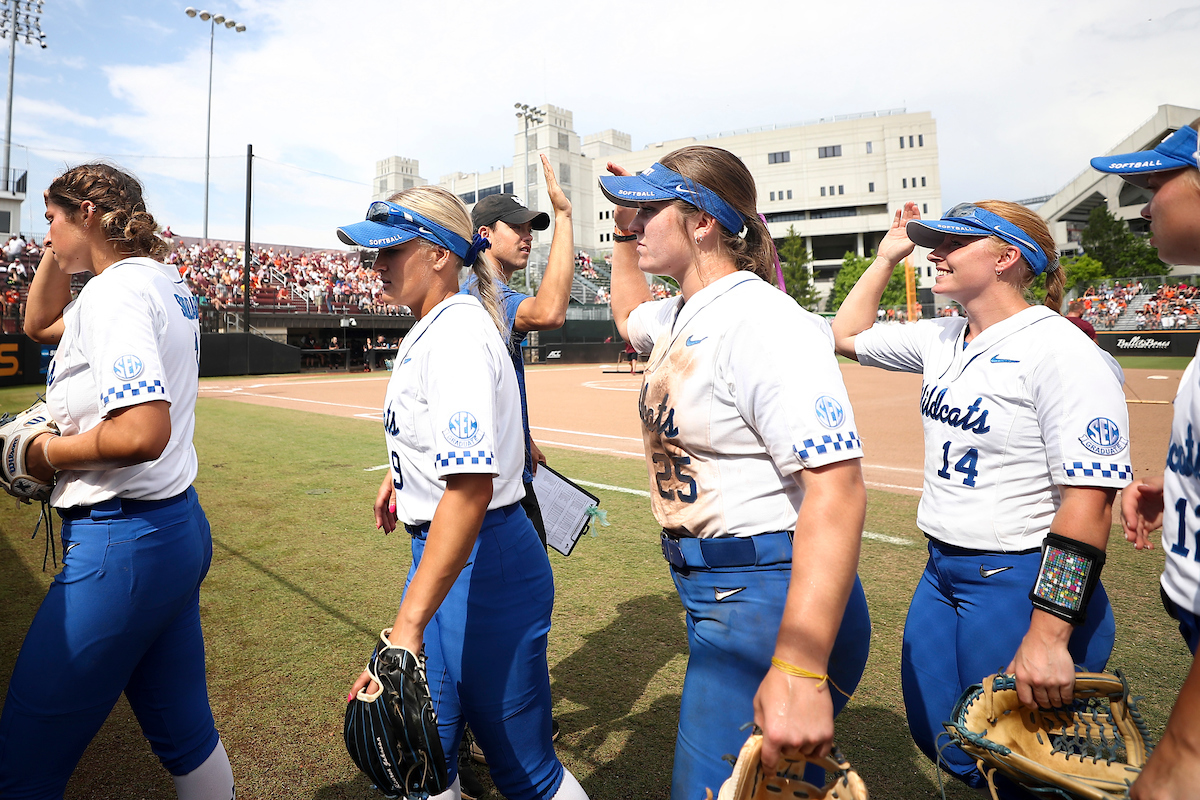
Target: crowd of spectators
[1170,307]
[310,280]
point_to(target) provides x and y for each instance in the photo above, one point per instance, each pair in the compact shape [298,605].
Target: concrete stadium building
[836,180]
[1067,211]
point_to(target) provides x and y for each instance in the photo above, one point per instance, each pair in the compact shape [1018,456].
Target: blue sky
[1023,92]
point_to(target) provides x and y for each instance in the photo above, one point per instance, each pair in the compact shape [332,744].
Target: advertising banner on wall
[22,360]
[1149,343]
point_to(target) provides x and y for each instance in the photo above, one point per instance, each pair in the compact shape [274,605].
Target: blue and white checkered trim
[1078,469]
[844,441]
[142,387]
[459,459]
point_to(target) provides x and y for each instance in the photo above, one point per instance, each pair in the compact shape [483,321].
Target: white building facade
[836,181]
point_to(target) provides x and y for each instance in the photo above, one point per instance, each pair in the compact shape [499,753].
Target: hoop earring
[999,273]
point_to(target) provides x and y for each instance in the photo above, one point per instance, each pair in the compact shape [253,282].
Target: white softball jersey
[131,336]
[452,407]
[741,391]
[1181,493]
[1029,405]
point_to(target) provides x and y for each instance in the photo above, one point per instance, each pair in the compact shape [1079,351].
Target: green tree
[853,266]
[794,259]
[1123,253]
[1082,272]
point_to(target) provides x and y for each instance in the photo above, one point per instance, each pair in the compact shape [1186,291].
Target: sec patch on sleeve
[462,430]
[829,412]
[1103,437]
[128,367]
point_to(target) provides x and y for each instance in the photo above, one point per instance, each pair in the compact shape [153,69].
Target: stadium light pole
[18,18]
[214,20]
[534,115]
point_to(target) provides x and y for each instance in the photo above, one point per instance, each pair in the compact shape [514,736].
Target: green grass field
[301,583]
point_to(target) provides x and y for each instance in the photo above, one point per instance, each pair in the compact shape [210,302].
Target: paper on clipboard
[564,508]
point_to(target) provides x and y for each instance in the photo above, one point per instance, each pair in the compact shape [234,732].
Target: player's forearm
[858,310]
[830,524]
[553,296]
[49,293]
[128,436]
[629,289]
[452,534]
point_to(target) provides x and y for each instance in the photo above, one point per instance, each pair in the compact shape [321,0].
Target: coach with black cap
[509,226]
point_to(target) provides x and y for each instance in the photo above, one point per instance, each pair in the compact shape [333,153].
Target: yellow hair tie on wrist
[799,672]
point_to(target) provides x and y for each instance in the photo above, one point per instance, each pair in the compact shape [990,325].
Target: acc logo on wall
[127,367]
[463,429]
[829,412]
[1103,437]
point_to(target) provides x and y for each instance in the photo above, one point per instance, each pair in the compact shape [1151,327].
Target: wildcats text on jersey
[661,420]
[934,407]
[1184,459]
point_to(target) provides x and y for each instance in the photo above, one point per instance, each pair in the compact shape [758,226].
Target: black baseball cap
[508,208]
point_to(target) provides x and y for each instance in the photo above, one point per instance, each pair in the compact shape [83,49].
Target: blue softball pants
[485,651]
[123,615]
[968,616]
[734,591]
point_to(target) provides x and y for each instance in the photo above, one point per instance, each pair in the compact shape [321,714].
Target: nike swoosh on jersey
[405,361]
[690,341]
[721,594]
[987,573]
[999,360]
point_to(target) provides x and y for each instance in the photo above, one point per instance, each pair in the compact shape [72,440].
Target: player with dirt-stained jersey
[751,448]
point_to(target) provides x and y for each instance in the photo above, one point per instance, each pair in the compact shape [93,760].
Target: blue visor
[659,183]
[1177,151]
[389,225]
[967,219]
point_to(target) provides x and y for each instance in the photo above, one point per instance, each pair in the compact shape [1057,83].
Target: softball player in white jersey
[1026,442]
[751,447]
[1171,171]
[480,591]
[124,613]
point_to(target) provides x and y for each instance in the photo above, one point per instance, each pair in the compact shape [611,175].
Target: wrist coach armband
[1069,573]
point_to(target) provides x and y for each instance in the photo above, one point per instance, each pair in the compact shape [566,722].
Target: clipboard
[564,508]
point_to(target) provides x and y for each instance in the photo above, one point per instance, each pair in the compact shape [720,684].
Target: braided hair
[117,196]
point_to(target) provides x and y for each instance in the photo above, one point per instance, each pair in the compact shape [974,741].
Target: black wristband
[1069,573]
[619,238]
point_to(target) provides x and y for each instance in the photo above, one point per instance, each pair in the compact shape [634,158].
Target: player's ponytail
[117,196]
[448,211]
[724,173]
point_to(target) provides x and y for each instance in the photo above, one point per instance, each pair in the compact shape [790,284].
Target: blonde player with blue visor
[753,460]
[1171,171]
[1026,443]
[480,591]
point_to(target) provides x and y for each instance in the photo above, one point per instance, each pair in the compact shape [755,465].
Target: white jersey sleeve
[904,347]
[1082,415]
[119,337]
[461,395]
[651,320]
[790,390]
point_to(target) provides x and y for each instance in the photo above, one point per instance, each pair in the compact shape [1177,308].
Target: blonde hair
[726,175]
[1035,227]
[448,211]
[117,196]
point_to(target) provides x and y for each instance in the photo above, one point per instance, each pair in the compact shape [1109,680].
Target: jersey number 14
[967,465]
